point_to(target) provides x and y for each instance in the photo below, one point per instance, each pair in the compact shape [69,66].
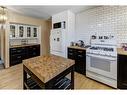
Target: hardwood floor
[1,66]
[82,82]
[12,78]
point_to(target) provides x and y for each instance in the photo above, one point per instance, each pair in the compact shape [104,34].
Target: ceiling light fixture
[3,16]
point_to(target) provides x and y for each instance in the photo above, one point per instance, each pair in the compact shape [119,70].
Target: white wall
[106,19]
[69,31]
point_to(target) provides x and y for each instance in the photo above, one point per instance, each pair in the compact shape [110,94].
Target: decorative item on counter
[124,46]
[80,43]
[76,44]
[72,44]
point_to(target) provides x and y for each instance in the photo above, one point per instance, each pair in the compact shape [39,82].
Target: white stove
[101,61]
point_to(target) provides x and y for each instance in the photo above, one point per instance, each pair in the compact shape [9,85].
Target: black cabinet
[122,71]
[80,59]
[15,55]
[20,53]
[33,51]
[15,59]
[71,53]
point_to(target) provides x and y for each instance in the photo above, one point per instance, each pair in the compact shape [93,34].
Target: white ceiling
[45,12]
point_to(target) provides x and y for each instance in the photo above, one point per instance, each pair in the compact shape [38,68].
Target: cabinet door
[80,67]
[28,31]
[13,31]
[33,51]
[35,32]
[21,31]
[80,61]
[80,55]
[122,71]
[15,59]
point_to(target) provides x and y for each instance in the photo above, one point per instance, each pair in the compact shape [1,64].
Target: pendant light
[3,16]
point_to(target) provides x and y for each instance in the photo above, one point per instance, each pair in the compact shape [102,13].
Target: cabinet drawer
[70,50]
[80,55]
[34,48]
[15,59]
[15,51]
[71,53]
[81,52]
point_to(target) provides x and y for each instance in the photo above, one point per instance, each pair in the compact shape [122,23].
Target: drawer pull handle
[70,50]
[80,51]
[70,53]
[80,56]
[19,57]
[19,51]
[13,49]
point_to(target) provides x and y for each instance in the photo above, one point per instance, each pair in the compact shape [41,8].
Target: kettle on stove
[80,43]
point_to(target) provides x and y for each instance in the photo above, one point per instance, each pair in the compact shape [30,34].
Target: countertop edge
[16,46]
[119,50]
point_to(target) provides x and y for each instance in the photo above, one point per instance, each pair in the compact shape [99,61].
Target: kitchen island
[48,72]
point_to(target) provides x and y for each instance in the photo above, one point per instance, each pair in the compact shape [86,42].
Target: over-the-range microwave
[59,25]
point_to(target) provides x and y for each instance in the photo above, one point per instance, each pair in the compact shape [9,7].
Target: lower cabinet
[15,59]
[80,59]
[20,53]
[122,71]
[33,51]
[80,67]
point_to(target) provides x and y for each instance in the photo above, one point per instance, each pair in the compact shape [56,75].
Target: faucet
[24,41]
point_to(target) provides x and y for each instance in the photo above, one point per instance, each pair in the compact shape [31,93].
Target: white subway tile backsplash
[105,19]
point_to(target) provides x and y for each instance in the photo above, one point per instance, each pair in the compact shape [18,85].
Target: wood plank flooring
[1,66]
[12,78]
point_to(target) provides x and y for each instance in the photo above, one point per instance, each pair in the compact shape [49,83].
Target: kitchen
[94,38]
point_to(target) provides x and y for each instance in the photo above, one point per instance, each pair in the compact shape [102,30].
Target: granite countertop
[15,46]
[77,47]
[119,50]
[48,66]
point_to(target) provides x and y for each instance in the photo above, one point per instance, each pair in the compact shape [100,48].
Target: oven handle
[102,57]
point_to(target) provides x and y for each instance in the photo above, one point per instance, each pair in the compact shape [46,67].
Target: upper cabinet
[13,31]
[19,31]
[35,32]
[28,31]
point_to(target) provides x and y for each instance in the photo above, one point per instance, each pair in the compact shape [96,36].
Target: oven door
[105,66]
